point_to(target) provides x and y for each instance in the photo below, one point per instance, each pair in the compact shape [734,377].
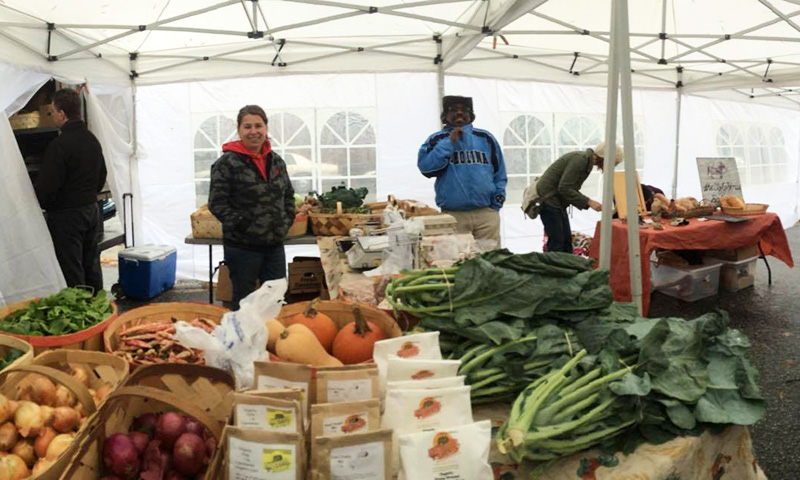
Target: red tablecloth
[765,229]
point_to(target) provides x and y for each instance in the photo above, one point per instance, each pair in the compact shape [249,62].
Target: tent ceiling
[752,50]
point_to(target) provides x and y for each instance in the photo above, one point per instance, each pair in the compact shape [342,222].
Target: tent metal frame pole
[23,45]
[663,27]
[780,14]
[583,31]
[149,27]
[611,145]
[723,38]
[247,14]
[631,186]
[439,78]
[677,144]
[317,21]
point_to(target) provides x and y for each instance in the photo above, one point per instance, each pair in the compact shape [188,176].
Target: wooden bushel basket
[749,209]
[157,313]
[103,368]
[116,416]
[11,380]
[207,387]
[8,343]
[342,314]
[339,223]
[702,211]
[88,339]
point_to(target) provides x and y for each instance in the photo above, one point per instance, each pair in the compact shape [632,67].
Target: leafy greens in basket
[68,311]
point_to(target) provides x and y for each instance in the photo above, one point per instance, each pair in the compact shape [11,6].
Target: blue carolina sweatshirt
[469,174]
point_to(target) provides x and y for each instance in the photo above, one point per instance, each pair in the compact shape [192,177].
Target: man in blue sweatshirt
[469,169]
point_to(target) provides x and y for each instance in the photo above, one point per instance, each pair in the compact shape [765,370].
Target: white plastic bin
[688,284]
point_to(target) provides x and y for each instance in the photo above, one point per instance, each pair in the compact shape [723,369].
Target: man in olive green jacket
[560,187]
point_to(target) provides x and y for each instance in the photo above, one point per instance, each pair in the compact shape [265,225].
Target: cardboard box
[224,291]
[46,117]
[306,275]
[735,255]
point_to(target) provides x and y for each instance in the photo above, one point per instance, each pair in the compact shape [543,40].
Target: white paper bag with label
[419,345]
[412,411]
[404,369]
[458,452]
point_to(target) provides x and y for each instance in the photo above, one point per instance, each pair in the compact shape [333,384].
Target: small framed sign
[718,177]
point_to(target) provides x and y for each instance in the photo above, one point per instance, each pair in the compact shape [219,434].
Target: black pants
[557,228]
[76,233]
[248,266]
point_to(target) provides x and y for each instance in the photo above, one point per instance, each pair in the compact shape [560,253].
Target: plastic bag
[241,337]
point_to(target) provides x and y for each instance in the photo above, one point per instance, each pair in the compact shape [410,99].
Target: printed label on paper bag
[340,391]
[408,350]
[258,461]
[263,417]
[265,382]
[359,462]
[342,425]
[445,454]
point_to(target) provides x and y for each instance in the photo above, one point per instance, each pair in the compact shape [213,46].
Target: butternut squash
[298,344]
[275,328]
[323,327]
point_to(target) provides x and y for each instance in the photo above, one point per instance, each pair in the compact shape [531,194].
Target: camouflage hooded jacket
[255,213]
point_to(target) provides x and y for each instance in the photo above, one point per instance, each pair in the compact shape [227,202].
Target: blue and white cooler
[147,270]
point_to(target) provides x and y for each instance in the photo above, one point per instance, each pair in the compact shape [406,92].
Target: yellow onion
[8,436]
[28,419]
[7,408]
[13,467]
[59,444]
[24,450]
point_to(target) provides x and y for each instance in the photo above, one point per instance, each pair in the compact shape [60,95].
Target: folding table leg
[764,257]
[211,274]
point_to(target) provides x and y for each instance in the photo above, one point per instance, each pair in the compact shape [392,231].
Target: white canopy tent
[537,70]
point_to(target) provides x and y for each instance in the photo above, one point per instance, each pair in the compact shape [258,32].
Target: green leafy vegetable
[352,199]
[12,355]
[68,311]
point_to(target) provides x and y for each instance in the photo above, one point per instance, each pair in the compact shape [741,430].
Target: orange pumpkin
[355,341]
[323,327]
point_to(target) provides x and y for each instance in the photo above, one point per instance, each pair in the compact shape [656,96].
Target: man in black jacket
[72,173]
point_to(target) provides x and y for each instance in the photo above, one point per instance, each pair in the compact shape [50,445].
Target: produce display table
[765,230]
[728,454]
[303,240]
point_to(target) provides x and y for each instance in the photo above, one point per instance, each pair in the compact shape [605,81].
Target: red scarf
[258,159]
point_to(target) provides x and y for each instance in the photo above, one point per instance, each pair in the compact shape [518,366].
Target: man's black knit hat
[450,100]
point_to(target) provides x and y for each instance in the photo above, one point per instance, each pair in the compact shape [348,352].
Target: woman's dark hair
[69,102]
[251,110]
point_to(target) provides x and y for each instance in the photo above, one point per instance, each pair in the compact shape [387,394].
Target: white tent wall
[28,266]
[110,118]
[766,139]
[499,102]
[402,107]
[405,110]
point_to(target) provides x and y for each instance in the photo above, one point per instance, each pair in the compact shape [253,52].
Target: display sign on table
[718,177]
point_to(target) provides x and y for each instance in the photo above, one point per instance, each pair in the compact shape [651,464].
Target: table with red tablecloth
[765,230]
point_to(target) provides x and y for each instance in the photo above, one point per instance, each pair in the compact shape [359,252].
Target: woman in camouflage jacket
[252,196]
